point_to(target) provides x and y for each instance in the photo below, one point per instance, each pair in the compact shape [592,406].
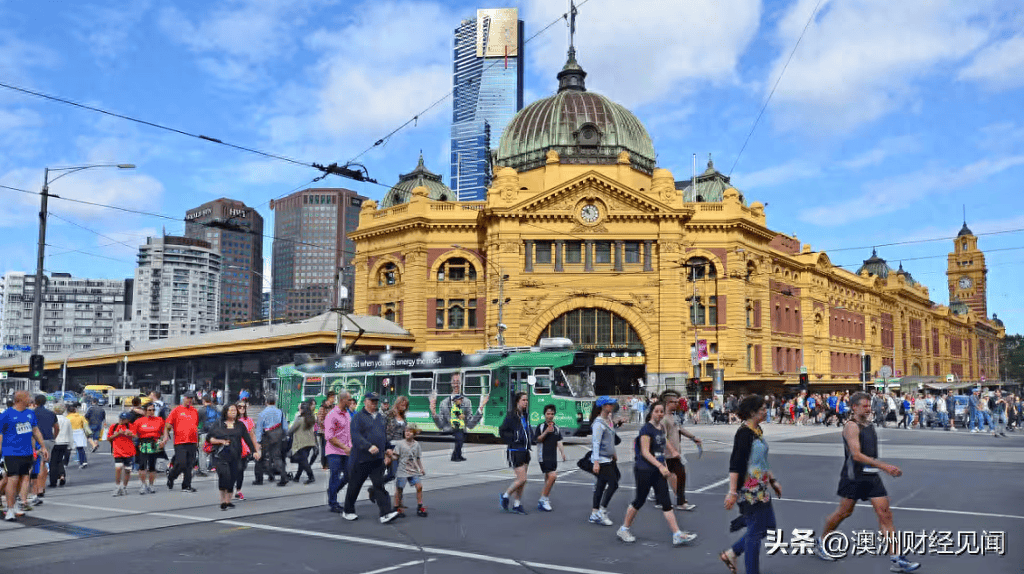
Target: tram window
[444,383]
[476,383]
[314,387]
[421,384]
[543,386]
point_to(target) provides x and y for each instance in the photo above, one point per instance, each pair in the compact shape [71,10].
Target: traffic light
[35,367]
[803,381]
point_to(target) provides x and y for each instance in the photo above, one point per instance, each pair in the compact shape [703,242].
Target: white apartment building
[177,289]
[78,314]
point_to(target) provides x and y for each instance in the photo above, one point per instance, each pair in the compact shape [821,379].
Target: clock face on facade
[965,283]
[589,213]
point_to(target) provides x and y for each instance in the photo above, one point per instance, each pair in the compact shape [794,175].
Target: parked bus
[551,373]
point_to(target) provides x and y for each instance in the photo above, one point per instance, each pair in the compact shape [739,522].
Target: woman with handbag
[303,442]
[750,478]
[604,460]
[243,417]
[225,440]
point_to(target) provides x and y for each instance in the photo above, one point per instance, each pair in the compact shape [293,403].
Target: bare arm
[42,446]
[645,450]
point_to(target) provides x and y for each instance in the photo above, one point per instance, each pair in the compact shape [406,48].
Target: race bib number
[23,428]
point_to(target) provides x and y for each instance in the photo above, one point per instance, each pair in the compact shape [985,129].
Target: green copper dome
[421,176]
[583,127]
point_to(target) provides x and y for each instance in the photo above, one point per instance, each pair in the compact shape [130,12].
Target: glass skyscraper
[488,91]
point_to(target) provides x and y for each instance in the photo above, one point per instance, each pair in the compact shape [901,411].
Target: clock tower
[966,272]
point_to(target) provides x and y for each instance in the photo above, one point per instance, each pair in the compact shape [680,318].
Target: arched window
[700,268]
[455,314]
[456,269]
[594,328]
[388,275]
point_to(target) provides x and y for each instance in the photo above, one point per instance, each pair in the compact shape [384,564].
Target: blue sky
[889,118]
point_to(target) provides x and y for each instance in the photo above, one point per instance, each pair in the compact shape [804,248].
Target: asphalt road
[952,482]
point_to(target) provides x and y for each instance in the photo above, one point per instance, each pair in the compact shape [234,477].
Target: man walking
[96,417]
[676,464]
[369,442]
[860,480]
[209,418]
[184,422]
[270,435]
[18,428]
[337,432]
[48,427]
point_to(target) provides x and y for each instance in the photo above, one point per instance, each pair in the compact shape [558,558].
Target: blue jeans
[338,465]
[944,420]
[760,518]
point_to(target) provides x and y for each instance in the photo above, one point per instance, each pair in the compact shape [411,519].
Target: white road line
[712,485]
[400,566]
[411,548]
[909,509]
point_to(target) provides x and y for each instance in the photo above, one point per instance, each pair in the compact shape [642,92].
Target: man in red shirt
[122,446]
[184,422]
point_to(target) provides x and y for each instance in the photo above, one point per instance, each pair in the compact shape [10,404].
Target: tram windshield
[574,383]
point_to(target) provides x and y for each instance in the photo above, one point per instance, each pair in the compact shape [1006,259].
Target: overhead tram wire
[778,80]
[116,242]
[416,117]
[343,171]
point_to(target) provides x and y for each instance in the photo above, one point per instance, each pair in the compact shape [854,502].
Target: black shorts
[866,488]
[18,465]
[125,460]
[547,466]
[146,461]
[517,458]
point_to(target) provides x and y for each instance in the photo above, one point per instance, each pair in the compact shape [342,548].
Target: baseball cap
[190,394]
[371,396]
[124,416]
[605,400]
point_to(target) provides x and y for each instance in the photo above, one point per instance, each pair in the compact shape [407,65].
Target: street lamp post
[37,305]
[270,316]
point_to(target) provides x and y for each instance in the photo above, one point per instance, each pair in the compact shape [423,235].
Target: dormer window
[588,135]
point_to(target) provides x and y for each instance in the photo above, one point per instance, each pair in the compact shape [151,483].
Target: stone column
[559,247]
[529,256]
[618,255]
[588,256]
[647,256]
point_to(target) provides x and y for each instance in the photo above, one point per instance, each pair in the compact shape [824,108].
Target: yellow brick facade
[779,304]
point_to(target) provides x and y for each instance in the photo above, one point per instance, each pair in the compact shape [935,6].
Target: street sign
[22,348]
[885,371]
[803,370]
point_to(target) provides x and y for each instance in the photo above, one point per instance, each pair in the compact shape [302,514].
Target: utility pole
[37,304]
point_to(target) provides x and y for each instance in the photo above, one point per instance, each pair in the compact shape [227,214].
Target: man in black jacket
[369,443]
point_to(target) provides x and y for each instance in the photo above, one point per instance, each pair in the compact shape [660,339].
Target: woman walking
[325,407]
[394,428]
[749,480]
[303,442]
[61,446]
[650,471]
[149,429]
[515,431]
[243,417]
[78,436]
[227,437]
[606,468]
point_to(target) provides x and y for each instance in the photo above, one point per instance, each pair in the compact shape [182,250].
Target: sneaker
[348,516]
[35,500]
[62,481]
[150,489]
[819,551]
[682,537]
[421,511]
[22,509]
[518,509]
[188,490]
[544,505]
[504,501]
[170,484]
[143,491]
[901,564]
[625,535]
[974,430]
[686,506]
[389,517]
[240,496]
[10,517]
[85,465]
[337,509]
[118,492]
[595,518]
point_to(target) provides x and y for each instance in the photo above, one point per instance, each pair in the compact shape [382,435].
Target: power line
[52,214]
[343,171]
[777,81]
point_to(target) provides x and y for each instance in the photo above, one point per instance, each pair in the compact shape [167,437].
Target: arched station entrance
[620,362]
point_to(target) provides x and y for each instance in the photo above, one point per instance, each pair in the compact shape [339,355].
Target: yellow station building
[583,236]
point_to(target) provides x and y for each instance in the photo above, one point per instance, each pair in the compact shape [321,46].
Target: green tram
[551,373]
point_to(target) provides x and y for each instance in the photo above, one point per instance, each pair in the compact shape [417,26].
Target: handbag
[586,464]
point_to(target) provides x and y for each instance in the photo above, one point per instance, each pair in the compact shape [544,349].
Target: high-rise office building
[488,91]
[78,313]
[312,252]
[177,289]
[236,230]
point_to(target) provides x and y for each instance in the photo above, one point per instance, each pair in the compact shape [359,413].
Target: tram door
[517,383]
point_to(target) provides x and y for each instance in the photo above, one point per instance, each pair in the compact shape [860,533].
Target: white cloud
[863,59]
[788,172]
[645,52]
[998,66]
[106,31]
[892,194]
[887,148]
